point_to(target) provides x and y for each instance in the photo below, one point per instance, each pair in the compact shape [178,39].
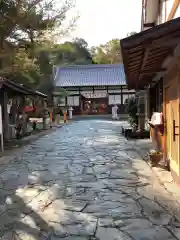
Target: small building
[92,89]
[152,67]
[15,99]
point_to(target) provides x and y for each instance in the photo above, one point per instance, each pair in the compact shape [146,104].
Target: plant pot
[127,132]
[155,158]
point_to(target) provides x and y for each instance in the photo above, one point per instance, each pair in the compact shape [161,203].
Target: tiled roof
[20,88]
[90,75]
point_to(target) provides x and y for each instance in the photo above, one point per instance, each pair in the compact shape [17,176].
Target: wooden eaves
[144,53]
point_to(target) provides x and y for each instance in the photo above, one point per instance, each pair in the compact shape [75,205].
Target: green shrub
[131,110]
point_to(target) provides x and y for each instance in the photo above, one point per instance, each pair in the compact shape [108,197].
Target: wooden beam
[135,58]
[170,28]
[167,43]
[133,66]
[156,58]
[134,69]
[154,65]
[136,54]
[159,50]
[134,49]
[152,71]
[153,62]
[149,25]
[144,58]
[134,62]
[173,10]
[166,37]
[142,63]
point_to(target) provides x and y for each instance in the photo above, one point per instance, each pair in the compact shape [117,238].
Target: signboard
[73,101]
[114,99]
[95,94]
[157,118]
[111,99]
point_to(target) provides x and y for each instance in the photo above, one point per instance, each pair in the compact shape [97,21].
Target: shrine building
[92,89]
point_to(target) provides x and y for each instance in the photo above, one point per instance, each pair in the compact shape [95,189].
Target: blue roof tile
[90,75]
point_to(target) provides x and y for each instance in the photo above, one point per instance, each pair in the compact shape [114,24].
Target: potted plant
[131,110]
[155,157]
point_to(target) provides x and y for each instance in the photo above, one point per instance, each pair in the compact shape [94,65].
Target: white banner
[114,99]
[70,100]
[111,99]
[62,102]
[96,94]
[1,125]
[117,99]
[76,100]
[73,101]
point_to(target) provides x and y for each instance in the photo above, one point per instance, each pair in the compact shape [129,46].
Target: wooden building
[15,99]
[152,66]
[92,89]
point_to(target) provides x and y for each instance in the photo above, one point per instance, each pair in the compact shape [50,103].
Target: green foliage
[131,109]
[72,53]
[60,94]
[108,53]
[26,26]
[28,42]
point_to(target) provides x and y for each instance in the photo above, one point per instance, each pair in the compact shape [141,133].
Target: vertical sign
[1,130]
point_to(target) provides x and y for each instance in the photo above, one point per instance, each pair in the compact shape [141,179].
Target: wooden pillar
[6,116]
[121,95]
[24,128]
[141,110]
[146,101]
[147,108]
[45,115]
[81,105]
[14,110]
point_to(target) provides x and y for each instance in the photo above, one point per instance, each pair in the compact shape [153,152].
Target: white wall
[169,5]
[164,13]
[151,11]
[166,6]
[177,14]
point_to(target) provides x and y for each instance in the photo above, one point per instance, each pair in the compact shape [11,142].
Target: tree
[25,26]
[108,53]
[72,53]
[131,33]
[99,55]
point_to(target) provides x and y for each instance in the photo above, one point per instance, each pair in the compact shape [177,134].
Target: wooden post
[51,116]
[24,128]
[14,109]
[6,116]
[141,110]
[65,117]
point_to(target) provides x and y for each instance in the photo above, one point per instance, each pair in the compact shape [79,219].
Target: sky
[101,20]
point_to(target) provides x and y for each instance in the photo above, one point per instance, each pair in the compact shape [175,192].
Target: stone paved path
[84,182]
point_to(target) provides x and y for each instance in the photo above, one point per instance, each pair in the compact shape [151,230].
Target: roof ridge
[90,66]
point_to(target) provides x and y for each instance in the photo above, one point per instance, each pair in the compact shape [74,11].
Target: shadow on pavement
[84,181]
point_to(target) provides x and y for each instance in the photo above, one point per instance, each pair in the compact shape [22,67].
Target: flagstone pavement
[84,181]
